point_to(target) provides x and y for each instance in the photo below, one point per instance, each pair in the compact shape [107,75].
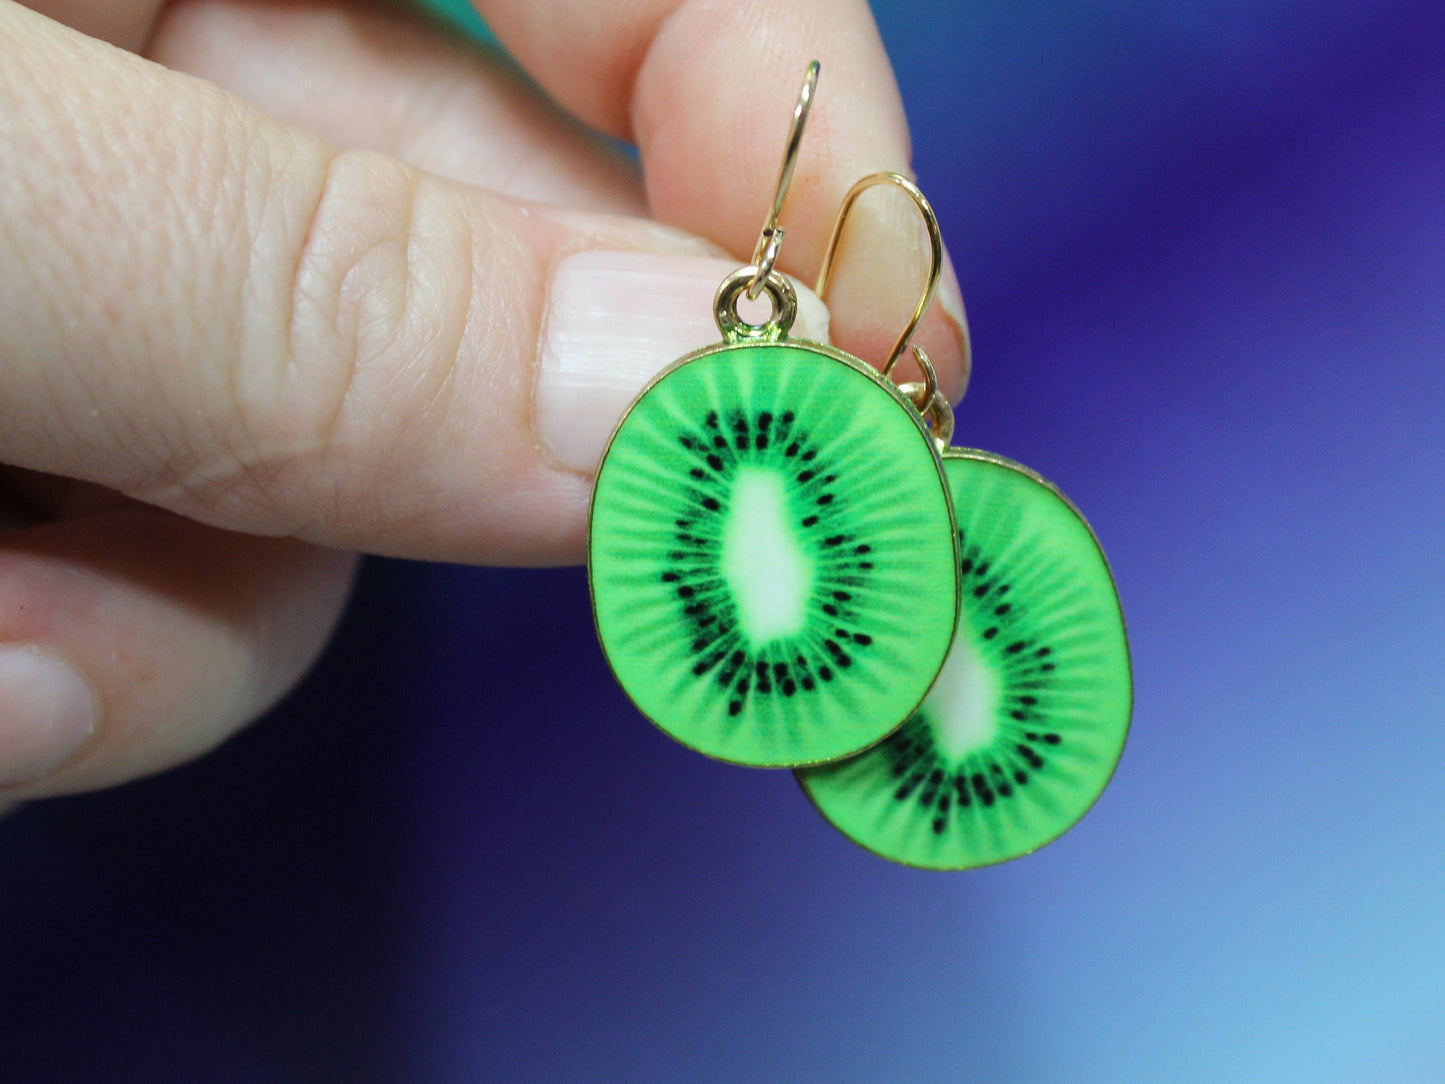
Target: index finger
[704,90]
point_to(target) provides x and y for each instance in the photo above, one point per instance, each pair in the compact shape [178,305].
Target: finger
[222,316]
[126,23]
[378,78]
[132,639]
[706,89]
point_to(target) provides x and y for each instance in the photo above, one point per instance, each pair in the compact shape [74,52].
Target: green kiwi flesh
[773,566]
[1027,721]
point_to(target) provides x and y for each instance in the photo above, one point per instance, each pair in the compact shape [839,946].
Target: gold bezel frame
[833,354]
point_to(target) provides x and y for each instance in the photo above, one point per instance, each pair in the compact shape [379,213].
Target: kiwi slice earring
[771,552]
[1024,727]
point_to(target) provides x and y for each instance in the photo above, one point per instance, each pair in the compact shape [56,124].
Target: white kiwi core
[770,576]
[963,704]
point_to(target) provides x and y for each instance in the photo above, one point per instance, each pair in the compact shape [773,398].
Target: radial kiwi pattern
[1024,727]
[772,559]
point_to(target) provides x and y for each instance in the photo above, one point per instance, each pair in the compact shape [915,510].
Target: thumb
[225,317]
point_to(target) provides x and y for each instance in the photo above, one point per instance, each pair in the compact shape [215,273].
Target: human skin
[276,285]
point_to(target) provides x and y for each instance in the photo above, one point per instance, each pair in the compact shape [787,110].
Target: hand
[375,295]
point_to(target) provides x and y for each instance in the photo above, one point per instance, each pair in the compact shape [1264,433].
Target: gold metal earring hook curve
[935,242]
[929,401]
[765,254]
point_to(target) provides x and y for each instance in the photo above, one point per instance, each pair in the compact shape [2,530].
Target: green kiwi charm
[1023,729]
[771,552]
[772,560]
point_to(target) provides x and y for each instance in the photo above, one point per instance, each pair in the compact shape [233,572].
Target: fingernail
[616,319]
[47,711]
[950,303]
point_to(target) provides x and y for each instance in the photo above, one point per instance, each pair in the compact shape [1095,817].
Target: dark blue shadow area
[583,885]
[235,919]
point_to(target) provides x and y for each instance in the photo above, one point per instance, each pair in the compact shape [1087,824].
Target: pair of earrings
[791,567]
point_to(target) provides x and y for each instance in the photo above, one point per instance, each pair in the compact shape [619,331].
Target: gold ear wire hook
[929,401]
[922,395]
[765,254]
[935,241]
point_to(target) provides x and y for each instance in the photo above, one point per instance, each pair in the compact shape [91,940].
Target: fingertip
[132,640]
[712,115]
[881,271]
[946,327]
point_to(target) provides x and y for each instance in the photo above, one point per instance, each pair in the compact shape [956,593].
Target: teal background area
[462,15]
[1203,248]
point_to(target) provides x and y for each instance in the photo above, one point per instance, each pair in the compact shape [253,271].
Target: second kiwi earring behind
[1022,730]
[772,554]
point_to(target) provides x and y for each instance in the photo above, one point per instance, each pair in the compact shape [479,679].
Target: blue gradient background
[1203,247]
